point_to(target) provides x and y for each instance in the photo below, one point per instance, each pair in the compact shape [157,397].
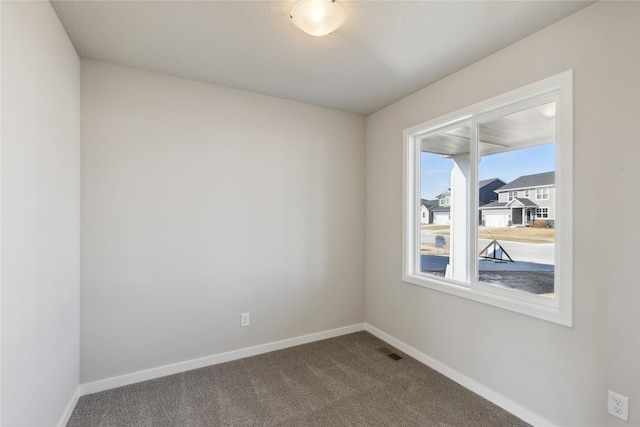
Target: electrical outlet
[245,319]
[618,405]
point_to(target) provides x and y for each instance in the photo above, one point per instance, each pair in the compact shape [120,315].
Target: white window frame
[557,309]
[526,194]
[542,193]
[542,213]
[510,197]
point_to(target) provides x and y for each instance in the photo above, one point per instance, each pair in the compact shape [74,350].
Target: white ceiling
[384,51]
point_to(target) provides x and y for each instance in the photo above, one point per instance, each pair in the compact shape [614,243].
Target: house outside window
[513,195]
[513,212]
[444,199]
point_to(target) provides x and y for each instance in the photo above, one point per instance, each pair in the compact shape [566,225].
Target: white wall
[201,202]
[40,224]
[562,374]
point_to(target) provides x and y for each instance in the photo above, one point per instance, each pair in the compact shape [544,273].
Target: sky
[436,170]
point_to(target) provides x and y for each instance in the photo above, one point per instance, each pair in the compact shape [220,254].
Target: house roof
[530,181]
[521,201]
[428,203]
[494,205]
[441,209]
[526,203]
[486,182]
[445,193]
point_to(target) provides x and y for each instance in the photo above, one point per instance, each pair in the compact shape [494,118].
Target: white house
[442,212]
[426,210]
[438,211]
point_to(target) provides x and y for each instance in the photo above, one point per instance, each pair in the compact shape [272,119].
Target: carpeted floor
[343,381]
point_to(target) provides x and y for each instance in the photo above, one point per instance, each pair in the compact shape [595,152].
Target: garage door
[496,220]
[441,218]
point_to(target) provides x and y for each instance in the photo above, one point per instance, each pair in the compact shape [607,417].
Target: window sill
[540,307]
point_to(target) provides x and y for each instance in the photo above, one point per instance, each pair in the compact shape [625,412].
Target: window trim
[557,309]
[542,213]
[541,193]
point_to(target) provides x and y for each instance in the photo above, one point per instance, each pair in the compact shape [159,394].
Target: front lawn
[514,234]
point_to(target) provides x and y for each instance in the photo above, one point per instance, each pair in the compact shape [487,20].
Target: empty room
[319,212]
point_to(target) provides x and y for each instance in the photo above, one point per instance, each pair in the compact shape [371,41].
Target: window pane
[444,170]
[516,236]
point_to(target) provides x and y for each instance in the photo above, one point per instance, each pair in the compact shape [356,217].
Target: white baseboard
[162,371]
[149,374]
[489,394]
[66,415]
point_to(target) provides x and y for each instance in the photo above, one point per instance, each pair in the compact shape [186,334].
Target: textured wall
[201,202]
[560,373]
[40,210]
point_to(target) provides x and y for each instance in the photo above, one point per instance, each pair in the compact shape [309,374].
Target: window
[526,194]
[542,194]
[542,213]
[488,252]
[444,200]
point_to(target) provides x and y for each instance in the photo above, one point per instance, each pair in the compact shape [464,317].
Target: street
[540,253]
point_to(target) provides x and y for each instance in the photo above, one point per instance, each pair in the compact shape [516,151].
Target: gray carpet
[343,381]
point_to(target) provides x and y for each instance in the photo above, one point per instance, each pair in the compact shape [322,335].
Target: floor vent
[389,353]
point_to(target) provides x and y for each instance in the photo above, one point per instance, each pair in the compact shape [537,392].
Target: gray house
[487,190]
[523,201]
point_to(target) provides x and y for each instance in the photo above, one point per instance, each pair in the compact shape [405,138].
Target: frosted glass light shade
[317,17]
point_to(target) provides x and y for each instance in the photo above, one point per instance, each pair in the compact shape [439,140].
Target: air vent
[389,353]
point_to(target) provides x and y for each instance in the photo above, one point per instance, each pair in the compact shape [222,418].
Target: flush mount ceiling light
[317,17]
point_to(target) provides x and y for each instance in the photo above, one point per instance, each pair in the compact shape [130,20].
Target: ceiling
[384,51]
[527,128]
